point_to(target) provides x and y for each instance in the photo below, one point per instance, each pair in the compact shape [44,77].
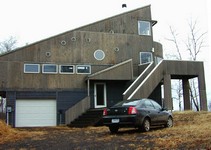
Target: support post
[186,94]
[202,92]
[167,92]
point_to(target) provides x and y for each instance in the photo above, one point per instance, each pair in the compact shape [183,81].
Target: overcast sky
[34,20]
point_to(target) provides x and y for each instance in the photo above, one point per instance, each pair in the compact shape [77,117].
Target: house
[55,80]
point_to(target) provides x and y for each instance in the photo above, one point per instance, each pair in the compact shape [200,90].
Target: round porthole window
[99,54]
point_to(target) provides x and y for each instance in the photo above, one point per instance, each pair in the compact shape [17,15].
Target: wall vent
[73,39]
[63,42]
[48,54]
[88,39]
[111,31]
[116,49]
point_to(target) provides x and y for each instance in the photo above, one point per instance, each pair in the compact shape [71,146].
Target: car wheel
[169,122]
[113,129]
[145,125]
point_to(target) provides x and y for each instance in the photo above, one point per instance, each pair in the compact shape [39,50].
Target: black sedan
[141,114]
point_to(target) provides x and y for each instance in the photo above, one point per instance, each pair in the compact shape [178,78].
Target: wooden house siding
[158,49]
[13,77]
[117,48]
[83,54]
[11,98]
[124,23]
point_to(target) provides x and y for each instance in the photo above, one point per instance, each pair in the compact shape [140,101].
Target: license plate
[115,120]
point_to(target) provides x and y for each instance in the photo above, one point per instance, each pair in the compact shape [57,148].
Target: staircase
[150,82]
[162,73]
[138,81]
[92,117]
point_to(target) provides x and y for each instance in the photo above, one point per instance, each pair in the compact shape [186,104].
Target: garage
[35,113]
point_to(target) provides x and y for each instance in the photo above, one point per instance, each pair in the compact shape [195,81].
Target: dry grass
[192,130]
[11,134]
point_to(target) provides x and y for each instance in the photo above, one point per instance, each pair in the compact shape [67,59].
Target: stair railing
[76,110]
[147,85]
[138,81]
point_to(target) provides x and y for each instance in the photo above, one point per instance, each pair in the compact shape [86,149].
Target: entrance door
[100,95]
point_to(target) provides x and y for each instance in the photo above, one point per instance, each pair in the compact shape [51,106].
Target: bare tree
[195,41]
[8,45]
[194,44]
[177,87]
[174,39]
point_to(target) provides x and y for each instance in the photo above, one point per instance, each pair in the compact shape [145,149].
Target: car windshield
[128,103]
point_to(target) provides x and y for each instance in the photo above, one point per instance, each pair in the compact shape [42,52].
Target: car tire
[169,122]
[145,127]
[113,129]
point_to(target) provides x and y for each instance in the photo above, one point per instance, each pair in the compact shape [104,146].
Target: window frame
[83,66]
[43,67]
[38,65]
[60,69]
[140,30]
[151,57]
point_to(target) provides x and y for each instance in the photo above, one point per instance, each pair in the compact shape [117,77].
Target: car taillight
[105,112]
[132,110]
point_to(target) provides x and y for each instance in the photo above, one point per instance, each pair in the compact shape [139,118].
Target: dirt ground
[62,138]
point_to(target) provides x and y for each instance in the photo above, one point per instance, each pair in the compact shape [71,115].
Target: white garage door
[35,113]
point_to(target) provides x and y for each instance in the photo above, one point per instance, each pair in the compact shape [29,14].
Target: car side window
[148,104]
[156,105]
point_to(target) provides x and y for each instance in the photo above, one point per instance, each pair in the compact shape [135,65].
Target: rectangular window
[145,57]
[49,68]
[31,68]
[83,69]
[144,28]
[66,69]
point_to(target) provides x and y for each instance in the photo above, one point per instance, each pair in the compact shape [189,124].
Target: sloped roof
[121,71]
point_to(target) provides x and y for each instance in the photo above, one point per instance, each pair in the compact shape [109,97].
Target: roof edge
[110,68]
